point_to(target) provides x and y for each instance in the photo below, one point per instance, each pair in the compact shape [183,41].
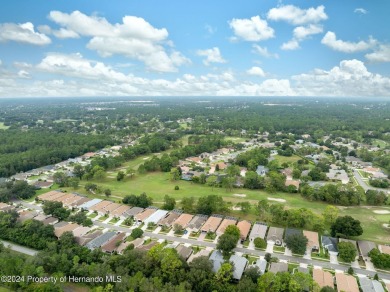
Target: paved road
[324,264]
[19,248]
[363,184]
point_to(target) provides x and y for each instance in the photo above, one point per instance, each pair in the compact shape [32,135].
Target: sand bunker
[277,200]
[240,195]
[382,212]
[236,208]
[145,158]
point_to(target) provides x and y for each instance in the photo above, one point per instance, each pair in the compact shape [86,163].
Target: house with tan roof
[346,283]
[100,207]
[84,239]
[313,243]
[79,202]
[47,195]
[80,231]
[245,227]
[183,220]
[323,278]
[61,230]
[133,212]
[225,223]
[119,212]
[212,223]
[292,182]
[112,207]
[55,196]
[384,249]
[141,217]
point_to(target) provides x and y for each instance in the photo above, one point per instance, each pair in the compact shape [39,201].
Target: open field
[381,143]
[287,159]
[235,139]
[3,127]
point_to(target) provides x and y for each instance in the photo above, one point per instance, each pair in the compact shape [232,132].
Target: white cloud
[256,71]
[331,41]
[263,51]
[360,11]
[253,29]
[302,32]
[382,54]
[134,38]
[350,78]
[212,56]
[297,16]
[22,33]
[290,45]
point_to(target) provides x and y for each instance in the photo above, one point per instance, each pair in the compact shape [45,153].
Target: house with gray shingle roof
[240,264]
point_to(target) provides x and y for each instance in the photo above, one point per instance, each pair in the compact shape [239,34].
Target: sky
[194,48]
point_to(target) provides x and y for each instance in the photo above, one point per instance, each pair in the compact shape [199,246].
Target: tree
[327,289]
[61,179]
[347,251]
[175,174]
[78,171]
[330,214]
[217,167]
[74,182]
[136,233]
[169,203]
[200,274]
[178,229]
[188,204]
[226,243]
[107,192]
[225,273]
[253,273]
[260,243]
[268,257]
[347,226]
[90,187]
[120,176]
[212,181]
[297,243]
[244,206]
[233,230]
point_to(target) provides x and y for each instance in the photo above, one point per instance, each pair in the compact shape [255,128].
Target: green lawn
[3,127]
[379,142]
[287,159]
[235,139]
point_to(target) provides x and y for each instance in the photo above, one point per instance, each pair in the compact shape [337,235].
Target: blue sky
[201,48]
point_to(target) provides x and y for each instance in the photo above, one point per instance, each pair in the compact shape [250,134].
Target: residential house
[148,246]
[168,220]
[5,207]
[262,170]
[323,278]
[79,202]
[339,175]
[313,243]
[120,211]
[100,207]
[201,253]
[138,242]
[50,221]
[101,240]
[113,243]
[217,259]
[292,182]
[384,249]
[212,223]
[197,222]
[279,267]
[89,204]
[122,246]
[58,231]
[84,239]
[368,285]
[183,220]
[80,231]
[330,244]
[365,247]
[133,212]
[43,184]
[262,265]
[184,251]
[47,195]
[275,235]
[26,215]
[258,230]
[224,224]
[155,217]
[141,217]
[239,264]
[244,227]
[346,283]
[111,208]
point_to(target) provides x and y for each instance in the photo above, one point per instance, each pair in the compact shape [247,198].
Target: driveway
[333,259]
[270,247]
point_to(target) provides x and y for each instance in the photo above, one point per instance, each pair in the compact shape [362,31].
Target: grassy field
[235,139]
[379,142]
[287,159]
[3,127]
